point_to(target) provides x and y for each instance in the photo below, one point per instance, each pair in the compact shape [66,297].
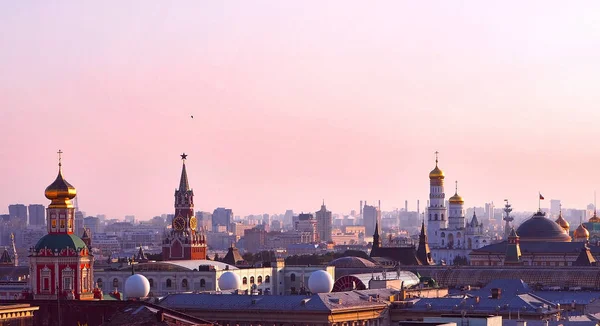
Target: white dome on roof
[320,282]
[229,281]
[137,286]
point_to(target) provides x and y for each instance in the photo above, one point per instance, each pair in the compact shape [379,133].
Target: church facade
[61,264]
[450,235]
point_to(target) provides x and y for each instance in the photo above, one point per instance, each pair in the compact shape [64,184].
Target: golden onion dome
[594,219]
[581,232]
[562,222]
[60,192]
[456,199]
[436,173]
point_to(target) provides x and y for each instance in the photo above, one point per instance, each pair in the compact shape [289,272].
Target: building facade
[37,215]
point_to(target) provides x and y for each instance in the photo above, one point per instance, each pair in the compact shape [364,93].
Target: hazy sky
[296,101]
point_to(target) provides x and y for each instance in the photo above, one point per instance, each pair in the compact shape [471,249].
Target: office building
[18,212]
[37,215]
[222,217]
[371,215]
[323,224]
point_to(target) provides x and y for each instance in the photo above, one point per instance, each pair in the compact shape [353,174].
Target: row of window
[259,279]
[169,283]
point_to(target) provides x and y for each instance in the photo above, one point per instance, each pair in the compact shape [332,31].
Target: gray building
[37,215]
[371,215]
[323,224]
[222,217]
[18,212]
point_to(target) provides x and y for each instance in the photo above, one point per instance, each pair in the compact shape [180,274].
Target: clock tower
[184,242]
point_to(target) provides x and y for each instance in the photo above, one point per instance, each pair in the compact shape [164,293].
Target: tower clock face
[193,223]
[179,223]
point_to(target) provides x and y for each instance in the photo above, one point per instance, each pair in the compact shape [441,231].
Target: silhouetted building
[371,216]
[18,212]
[323,224]
[37,215]
[222,217]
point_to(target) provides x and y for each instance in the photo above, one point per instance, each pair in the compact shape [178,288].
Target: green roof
[59,242]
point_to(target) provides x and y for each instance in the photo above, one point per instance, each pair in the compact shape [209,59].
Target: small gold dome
[594,219]
[581,232]
[456,199]
[562,222]
[60,192]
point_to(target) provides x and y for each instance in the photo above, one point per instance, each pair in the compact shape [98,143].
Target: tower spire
[436,157]
[184,185]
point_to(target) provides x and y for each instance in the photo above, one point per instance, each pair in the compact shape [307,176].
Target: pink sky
[298,101]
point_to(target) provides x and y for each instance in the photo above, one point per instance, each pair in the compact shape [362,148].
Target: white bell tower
[437,218]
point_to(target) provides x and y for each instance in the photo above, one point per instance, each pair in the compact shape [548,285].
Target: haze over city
[293,103]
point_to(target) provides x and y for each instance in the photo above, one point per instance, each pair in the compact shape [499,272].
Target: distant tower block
[406,205]
[361,208]
[418,208]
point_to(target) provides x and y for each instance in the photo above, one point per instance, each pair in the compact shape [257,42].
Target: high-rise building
[323,224]
[371,215]
[37,215]
[92,223]
[204,221]
[222,217]
[79,222]
[184,241]
[18,212]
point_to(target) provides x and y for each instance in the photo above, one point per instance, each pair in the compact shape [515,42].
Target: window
[151,281]
[184,283]
[169,283]
[251,279]
[245,280]
[67,283]
[442,216]
[202,283]
[259,279]
[293,277]
[115,283]
[436,216]
[267,279]
[45,275]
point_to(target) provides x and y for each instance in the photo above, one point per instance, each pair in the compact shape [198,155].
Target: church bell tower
[437,218]
[184,242]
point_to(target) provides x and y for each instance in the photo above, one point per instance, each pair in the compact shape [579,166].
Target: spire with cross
[436,157]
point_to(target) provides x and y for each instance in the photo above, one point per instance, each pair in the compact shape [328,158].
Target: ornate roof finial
[456,187]
[436,157]
[59,159]
[183,157]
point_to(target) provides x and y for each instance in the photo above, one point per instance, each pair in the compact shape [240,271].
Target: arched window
[259,279]
[442,242]
[267,279]
[436,216]
[430,216]
[458,235]
[99,283]
[469,243]
[293,277]
[184,283]
[169,283]
[442,216]
[245,280]
[443,235]
[202,283]
[251,279]
[115,283]
[151,281]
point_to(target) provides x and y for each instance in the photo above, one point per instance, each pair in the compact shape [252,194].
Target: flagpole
[539,201]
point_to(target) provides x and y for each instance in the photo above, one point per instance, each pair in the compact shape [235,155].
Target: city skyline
[291,105]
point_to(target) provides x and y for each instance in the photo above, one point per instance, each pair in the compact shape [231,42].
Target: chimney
[418,210]
[496,293]
[406,205]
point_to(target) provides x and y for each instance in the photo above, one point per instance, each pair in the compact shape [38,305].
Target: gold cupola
[581,233]
[562,222]
[456,199]
[436,173]
[60,192]
[595,218]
